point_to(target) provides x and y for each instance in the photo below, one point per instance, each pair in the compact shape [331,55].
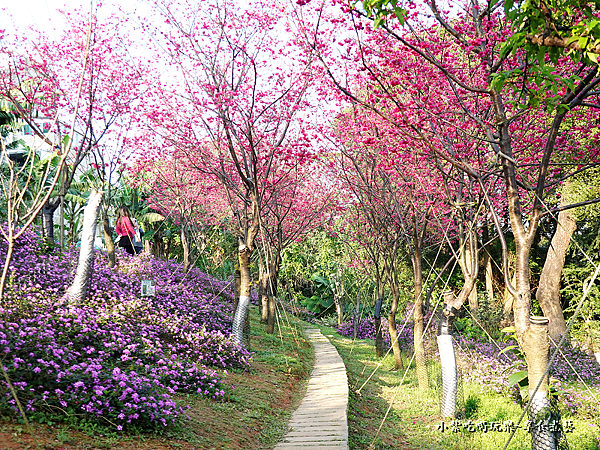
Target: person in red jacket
[126,230]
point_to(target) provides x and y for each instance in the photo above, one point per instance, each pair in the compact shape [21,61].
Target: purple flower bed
[116,357]
[482,363]
[367,330]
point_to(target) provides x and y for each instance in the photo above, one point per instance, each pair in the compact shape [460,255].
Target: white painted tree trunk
[239,319]
[448,357]
[536,348]
[78,288]
[449,375]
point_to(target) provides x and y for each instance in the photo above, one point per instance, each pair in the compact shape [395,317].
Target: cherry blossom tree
[178,191]
[235,111]
[395,204]
[22,83]
[296,201]
[88,108]
[510,101]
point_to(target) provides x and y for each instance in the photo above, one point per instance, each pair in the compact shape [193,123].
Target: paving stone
[320,421]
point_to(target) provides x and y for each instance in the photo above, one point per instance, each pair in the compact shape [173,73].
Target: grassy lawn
[252,415]
[413,419]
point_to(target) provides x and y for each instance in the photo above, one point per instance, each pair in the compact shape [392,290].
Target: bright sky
[43,14]
[40,14]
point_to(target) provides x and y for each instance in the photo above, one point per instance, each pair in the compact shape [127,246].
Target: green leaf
[400,14]
[510,347]
[326,302]
[508,5]
[506,49]
[508,330]
[75,198]
[320,280]
[541,55]
[554,53]
[592,57]
[151,217]
[517,377]
[378,21]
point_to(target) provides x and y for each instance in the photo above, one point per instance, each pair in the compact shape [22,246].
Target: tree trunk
[236,288]
[489,284]
[61,226]
[356,319]
[398,364]
[448,357]
[508,299]
[536,346]
[487,264]
[241,312]
[339,311]
[185,243]
[377,315]
[262,292]
[337,299]
[158,244]
[468,251]
[548,292]
[418,318]
[7,258]
[48,219]
[272,314]
[78,288]
[272,295]
[108,240]
[522,303]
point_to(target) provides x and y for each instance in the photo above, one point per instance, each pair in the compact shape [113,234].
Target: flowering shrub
[481,362]
[367,330]
[115,357]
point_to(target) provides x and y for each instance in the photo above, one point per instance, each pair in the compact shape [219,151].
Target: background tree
[179,192]
[20,84]
[296,204]
[233,114]
[395,203]
[111,81]
[581,188]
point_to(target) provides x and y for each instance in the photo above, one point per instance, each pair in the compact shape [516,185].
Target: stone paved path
[320,421]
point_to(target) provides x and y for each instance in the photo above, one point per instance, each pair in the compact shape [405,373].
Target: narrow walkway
[320,421]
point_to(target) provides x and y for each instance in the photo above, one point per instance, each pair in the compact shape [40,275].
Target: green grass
[414,416]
